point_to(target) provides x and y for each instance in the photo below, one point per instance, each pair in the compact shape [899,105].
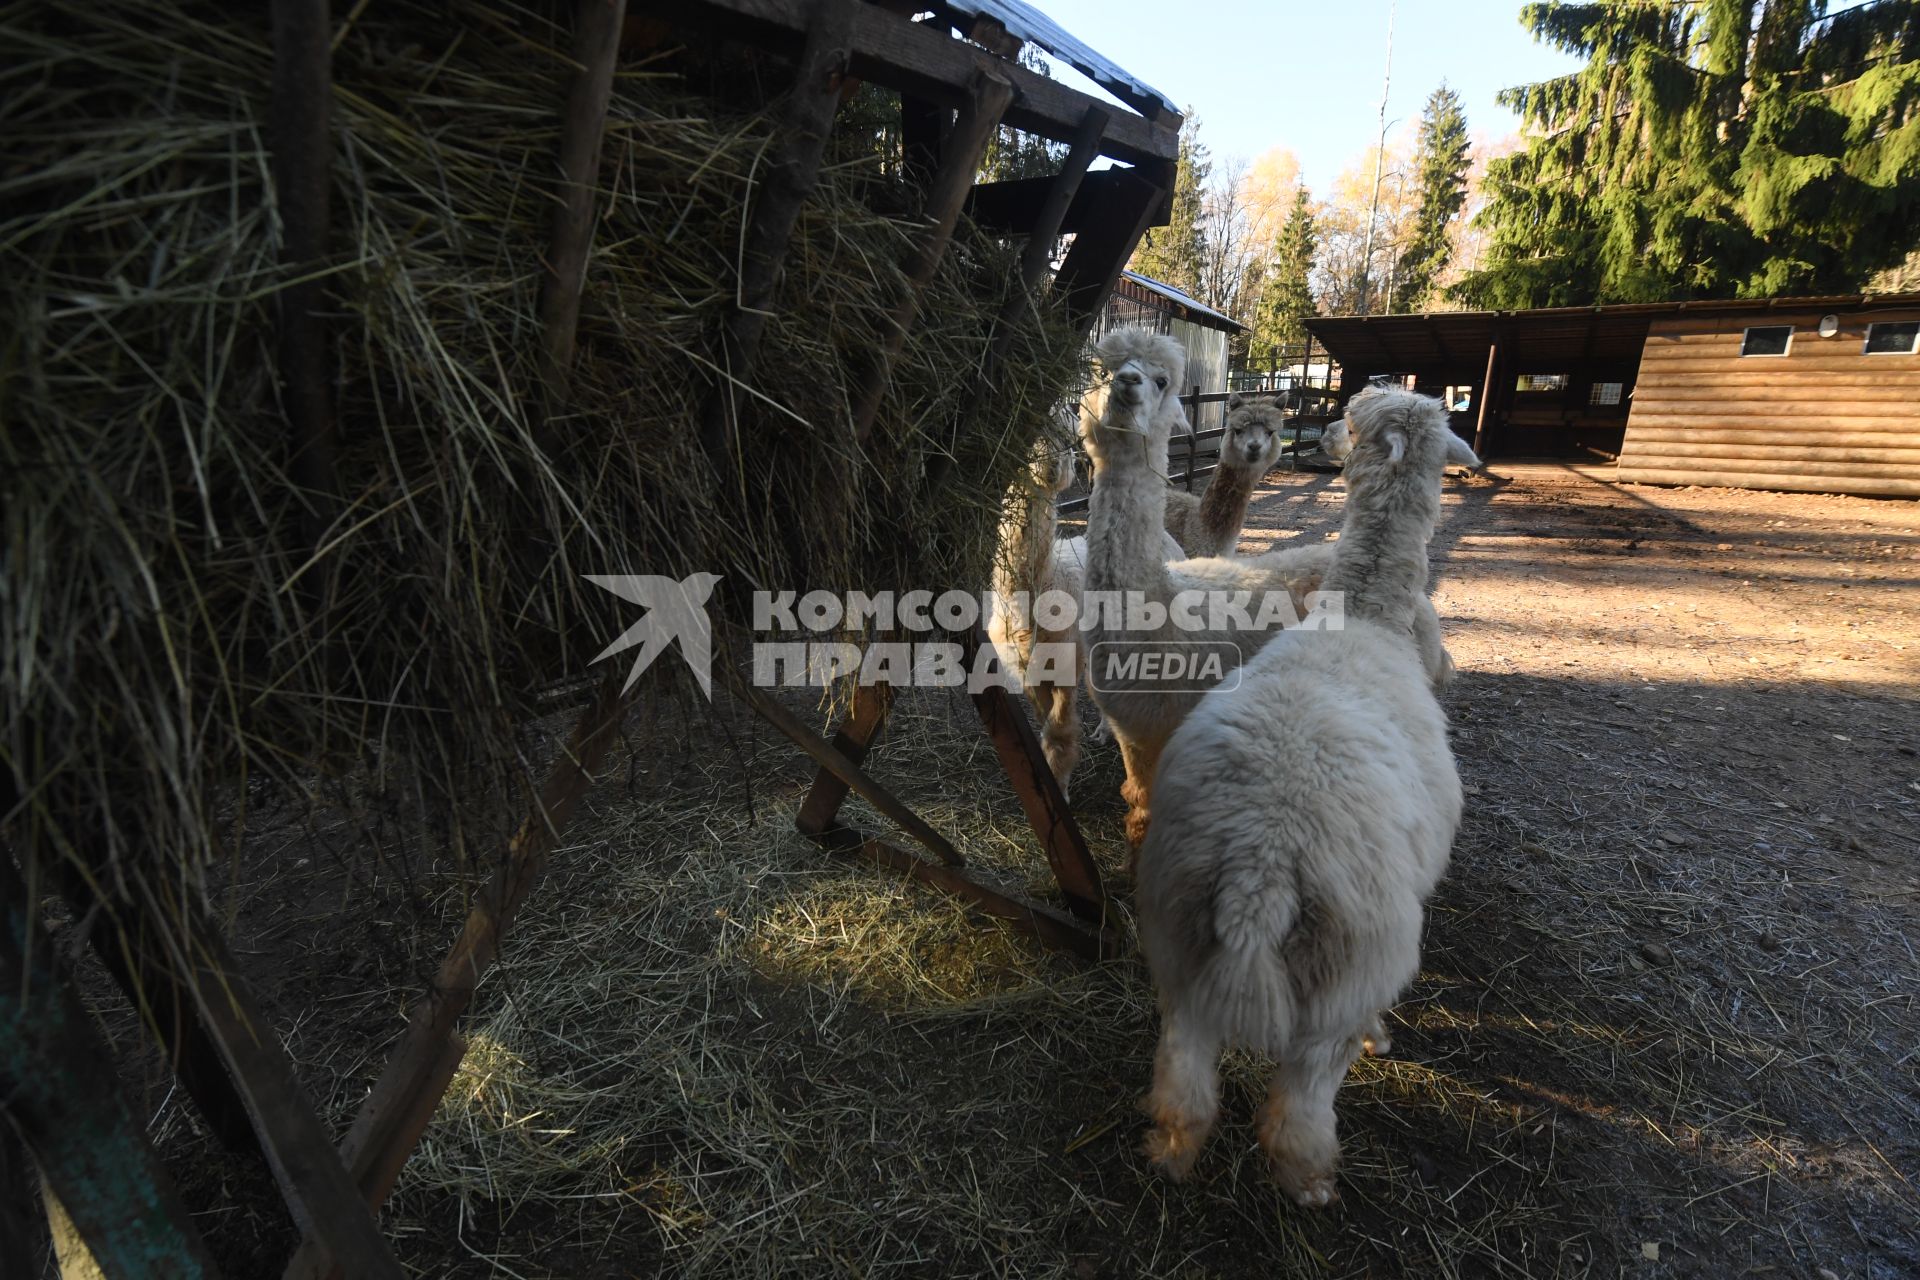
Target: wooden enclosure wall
[1824,418]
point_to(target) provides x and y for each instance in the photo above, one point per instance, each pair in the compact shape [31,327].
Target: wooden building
[1204,332]
[1806,394]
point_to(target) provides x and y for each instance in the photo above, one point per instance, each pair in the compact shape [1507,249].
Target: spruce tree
[1176,253]
[1440,167]
[1286,297]
[1710,148]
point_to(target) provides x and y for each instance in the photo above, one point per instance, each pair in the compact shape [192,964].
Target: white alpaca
[1210,524]
[1300,821]
[1036,569]
[1125,523]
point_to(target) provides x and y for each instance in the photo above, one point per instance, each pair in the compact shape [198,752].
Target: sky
[1305,74]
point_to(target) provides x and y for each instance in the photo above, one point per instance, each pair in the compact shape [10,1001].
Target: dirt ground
[1666,1022]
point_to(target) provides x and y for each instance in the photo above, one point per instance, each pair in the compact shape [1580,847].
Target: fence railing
[1187,447]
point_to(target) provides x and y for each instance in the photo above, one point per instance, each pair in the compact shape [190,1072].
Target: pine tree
[1286,297]
[1440,167]
[1176,253]
[1710,148]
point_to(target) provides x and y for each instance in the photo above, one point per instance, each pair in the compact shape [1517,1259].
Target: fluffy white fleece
[1300,819]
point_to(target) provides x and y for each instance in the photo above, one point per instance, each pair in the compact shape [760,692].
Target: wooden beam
[791,175]
[60,1094]
[824,754]
[925,62]
[298,110]
[987,101]
[1048,223]
[1014,207]
[137,962]
[1025,764]
[596,44]
[1483,411]
[325,1204]
[854,739]
[1102,248]
[1046,927]
[394,1115]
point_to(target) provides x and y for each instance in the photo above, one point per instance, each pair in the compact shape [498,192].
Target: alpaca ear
[1396,445]
[1234,401]
[1461,454]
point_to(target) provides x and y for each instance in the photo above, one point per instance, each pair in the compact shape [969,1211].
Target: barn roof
[1454,339]
[1188,308]
[1024,22]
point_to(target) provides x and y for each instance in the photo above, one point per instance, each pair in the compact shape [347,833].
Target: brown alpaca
[1210,524]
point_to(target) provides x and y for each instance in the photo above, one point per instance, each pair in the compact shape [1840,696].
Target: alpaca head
[1141,375]
[1050,463]
[1383,425]
[1253,434]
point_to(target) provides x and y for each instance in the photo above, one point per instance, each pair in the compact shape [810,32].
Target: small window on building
[1901,338]
[1767,340]
[1541,382]
[1606,393]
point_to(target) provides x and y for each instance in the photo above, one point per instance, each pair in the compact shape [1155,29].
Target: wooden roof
[1447,340]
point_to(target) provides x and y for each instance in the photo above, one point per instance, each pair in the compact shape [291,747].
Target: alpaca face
[1143,373]
[1253,433]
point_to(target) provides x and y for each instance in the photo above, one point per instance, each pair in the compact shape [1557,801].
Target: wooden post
[596,44]
[1484,417]
[389,1123]
[59,1093]
[824,753]
[791,176]
[853,740]
[988,97]
[301,94]
[1021,758]
[122,938]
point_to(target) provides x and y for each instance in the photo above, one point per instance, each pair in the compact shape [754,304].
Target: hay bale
[172,636]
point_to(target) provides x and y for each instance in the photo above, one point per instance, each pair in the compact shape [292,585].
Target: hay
[172,636]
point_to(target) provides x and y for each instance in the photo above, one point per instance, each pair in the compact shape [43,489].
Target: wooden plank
[60,1095]
[596,45]
[826,756]
[930,64]
[1025,764]
[1672,394]
[1678,444]
[1051,930]
[319,1193]
[1791,482]
[1775,435]
[1654,362]
[298,110]
[987,101]
[1804,422]
[395,1113]
[854,739]
[1684,460]
[139,966]
[1103,247]
[1014,207]
[791,174]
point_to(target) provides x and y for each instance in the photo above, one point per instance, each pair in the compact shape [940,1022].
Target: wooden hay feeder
[957,86]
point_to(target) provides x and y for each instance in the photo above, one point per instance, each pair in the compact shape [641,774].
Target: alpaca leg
[1375,1042]
[1185,1097]
[1060,738]
[1297,1126]
[1138,789]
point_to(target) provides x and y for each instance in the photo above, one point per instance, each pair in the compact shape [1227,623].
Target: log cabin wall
[1825,417]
